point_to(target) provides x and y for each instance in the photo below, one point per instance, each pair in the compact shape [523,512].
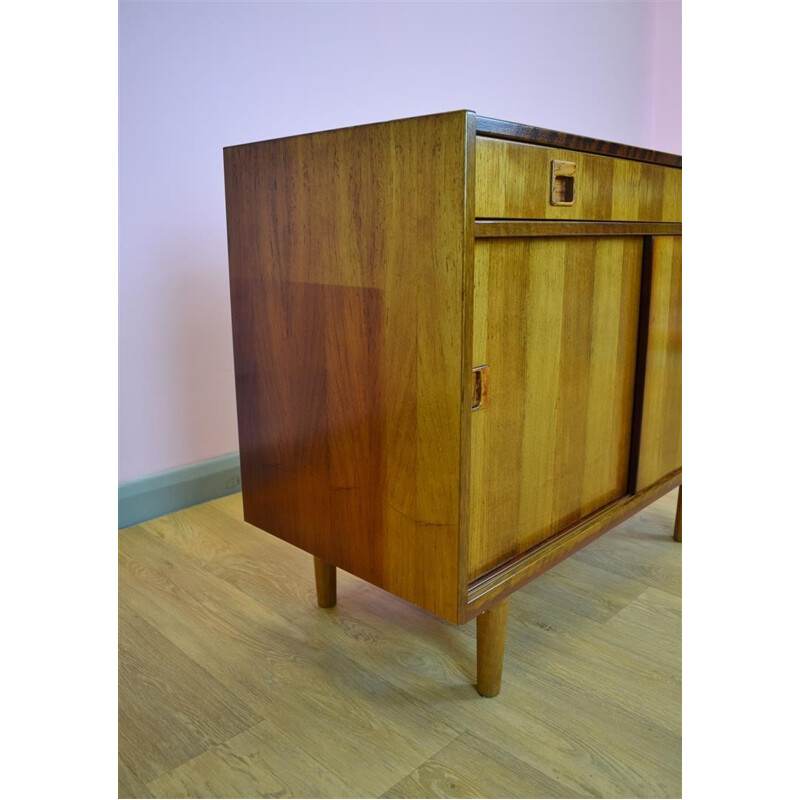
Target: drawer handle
[480,387]
[562,186]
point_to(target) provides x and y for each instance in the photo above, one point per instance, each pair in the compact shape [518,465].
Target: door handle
[480,387]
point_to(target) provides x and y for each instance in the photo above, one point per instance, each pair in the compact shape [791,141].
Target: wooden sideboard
[458,351]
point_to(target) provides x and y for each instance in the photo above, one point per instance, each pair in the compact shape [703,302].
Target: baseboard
[159,494]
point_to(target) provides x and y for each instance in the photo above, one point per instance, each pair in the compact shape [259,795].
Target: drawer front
[515,181]
[555,321]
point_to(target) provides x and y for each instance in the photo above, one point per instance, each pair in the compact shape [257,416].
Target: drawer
[516,181]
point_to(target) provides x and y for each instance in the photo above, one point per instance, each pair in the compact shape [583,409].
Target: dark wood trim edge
[485,229]
[466,363]
[501,129]
[502,581]
[645,291]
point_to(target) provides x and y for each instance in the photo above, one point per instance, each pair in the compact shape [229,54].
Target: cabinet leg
[325,575]
[677,534]
[491,648]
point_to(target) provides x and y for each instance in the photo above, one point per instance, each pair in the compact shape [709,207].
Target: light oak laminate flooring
[234,684]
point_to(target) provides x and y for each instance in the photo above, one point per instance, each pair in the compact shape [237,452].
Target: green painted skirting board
[178,488]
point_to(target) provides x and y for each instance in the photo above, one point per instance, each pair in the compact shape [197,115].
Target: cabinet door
[555,320]
[660,448]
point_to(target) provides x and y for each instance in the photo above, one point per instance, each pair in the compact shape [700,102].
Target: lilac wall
[195,77]
[665,77]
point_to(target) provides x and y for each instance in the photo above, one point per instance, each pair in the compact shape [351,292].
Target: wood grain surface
[236,685]
[347,261]
[512,181]
[491,635]
[509,576]
[520,132]
[325,576]
[360,286]
[556,321]
[160,724]
[451,773]
[485,228]
[660,442]
[299,689]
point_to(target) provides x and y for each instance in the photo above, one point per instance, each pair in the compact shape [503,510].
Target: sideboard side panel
[346,254]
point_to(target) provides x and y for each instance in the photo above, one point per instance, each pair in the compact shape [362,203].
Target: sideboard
[457,347]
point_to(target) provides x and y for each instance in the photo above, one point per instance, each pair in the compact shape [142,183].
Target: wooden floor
[234,684]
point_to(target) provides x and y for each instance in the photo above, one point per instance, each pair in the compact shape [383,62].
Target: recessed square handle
[562,188]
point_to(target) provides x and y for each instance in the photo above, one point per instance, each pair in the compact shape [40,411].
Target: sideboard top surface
[500,129]
[515,131]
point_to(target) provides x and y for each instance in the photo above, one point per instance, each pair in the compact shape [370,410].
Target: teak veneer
[458,351]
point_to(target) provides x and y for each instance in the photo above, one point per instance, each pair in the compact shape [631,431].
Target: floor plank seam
[422,764]
[595,711]
[200,755]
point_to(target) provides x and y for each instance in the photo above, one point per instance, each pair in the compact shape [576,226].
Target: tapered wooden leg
[325,575]
[677,534]
[491,648]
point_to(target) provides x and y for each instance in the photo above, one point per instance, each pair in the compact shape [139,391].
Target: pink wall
[665,77]
[195,77]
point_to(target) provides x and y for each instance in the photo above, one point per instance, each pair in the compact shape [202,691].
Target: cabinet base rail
[507,578]
[492,620]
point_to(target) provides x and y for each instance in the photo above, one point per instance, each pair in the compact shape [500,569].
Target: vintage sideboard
[457,345]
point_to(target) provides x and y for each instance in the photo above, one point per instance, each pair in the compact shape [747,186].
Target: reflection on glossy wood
[512,181]
[660,448]
[347,255]
[555,320]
